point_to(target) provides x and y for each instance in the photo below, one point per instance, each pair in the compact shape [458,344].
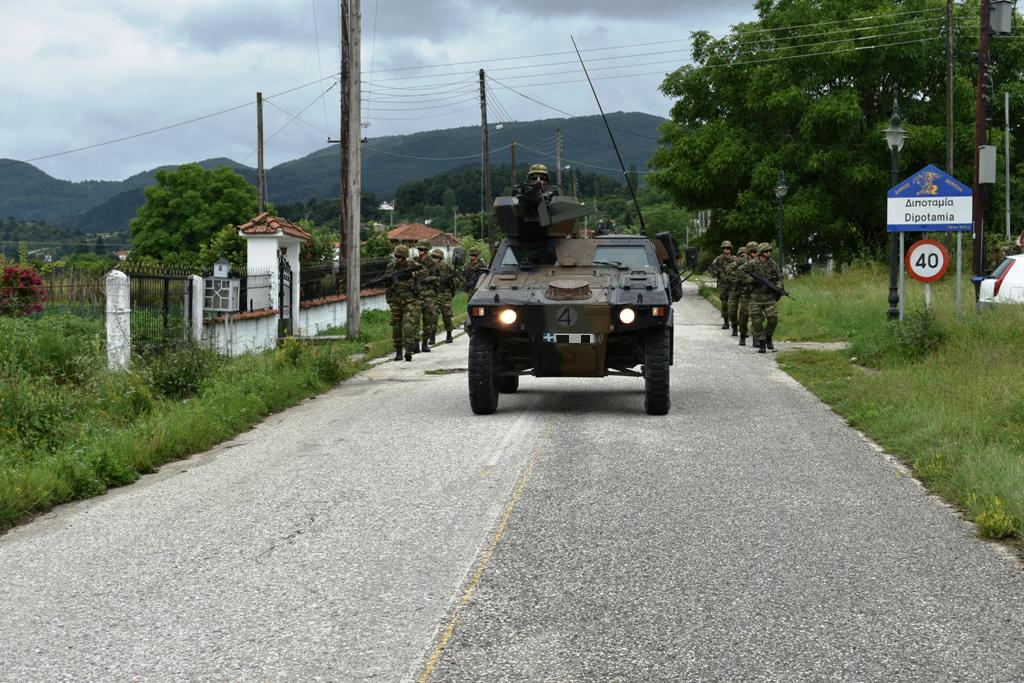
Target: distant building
[411,233]
[122,254]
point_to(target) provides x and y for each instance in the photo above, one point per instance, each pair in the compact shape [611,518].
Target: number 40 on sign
[927,260]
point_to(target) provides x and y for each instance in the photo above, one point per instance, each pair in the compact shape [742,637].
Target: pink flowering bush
[21,291]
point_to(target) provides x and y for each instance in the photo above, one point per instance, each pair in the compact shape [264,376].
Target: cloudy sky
[79,74]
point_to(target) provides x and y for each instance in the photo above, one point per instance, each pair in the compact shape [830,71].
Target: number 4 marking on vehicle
[566,317]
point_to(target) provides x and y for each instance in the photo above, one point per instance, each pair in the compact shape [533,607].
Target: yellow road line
[481,566]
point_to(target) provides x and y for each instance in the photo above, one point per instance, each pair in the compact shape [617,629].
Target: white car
[1006,283]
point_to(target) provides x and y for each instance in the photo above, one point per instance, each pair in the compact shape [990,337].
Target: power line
[319,63]
[409,156]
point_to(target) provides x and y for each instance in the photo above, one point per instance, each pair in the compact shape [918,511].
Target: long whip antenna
[605,119]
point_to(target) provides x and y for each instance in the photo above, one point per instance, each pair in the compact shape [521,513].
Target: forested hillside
[105,206]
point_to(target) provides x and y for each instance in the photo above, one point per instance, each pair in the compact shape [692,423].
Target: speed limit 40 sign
[927,260]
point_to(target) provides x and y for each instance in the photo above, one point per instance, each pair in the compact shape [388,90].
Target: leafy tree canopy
[808,89]
[186,208]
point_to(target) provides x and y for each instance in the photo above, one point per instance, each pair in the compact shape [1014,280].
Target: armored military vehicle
[554,305]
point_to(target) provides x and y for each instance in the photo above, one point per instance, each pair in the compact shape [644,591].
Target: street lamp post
[895,136]
[780,192]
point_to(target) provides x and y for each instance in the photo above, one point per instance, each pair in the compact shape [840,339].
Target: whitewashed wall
[315,319]
[236,337]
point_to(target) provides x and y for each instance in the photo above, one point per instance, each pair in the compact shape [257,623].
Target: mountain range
[92,206]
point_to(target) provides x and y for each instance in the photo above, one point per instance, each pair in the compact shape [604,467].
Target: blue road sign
[931,200]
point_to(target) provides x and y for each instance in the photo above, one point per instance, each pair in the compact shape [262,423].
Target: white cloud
[83,73]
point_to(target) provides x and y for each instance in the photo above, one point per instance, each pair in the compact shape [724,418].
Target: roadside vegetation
[70,429]
[946,396]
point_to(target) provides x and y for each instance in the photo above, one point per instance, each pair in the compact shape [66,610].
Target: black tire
[656,373]
[508,385]
[483,384]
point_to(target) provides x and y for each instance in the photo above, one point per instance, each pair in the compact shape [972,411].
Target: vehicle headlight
[507,316]
[627,316]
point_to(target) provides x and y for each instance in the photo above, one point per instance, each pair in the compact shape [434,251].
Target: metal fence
[161,303]
[75,292]
[255,290]
[324,280]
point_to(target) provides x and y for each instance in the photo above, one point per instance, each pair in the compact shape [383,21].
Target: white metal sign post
[931,200]
[927,261]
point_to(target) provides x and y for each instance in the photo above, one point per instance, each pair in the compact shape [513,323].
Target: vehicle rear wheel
[483,384]
[656,373]
[508,385]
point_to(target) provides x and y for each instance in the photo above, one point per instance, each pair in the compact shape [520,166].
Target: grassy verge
[944,395]
[69,429]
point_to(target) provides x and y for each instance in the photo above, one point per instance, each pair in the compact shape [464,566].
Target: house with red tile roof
[411,233]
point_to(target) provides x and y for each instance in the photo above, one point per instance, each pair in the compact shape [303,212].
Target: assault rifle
[394,278]
[778,290]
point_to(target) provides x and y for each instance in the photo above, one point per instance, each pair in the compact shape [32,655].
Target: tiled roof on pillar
[265,224]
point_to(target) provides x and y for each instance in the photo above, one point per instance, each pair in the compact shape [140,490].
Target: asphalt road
[383,532]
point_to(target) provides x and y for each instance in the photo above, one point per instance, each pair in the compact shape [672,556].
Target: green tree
[377,246]
[186,208]
[808,89]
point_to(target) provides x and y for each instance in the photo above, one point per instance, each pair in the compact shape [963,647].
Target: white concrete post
[119,321]
[198,300]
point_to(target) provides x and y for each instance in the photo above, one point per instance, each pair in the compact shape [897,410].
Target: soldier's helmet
[751,247]
[742,251]
[538,170]
[423,244]
[763,248]
[474,251]
[726,243]
[437,253]
[401,250]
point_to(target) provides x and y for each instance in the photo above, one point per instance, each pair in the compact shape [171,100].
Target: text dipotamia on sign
[930,200]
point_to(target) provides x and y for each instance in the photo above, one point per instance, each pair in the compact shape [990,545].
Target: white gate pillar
[119,320]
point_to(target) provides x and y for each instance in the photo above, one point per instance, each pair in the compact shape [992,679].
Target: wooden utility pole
[488,197]
[978,253]
[558,157]
[353,190]
[949,87]
[513,147]
[261,178]
[342,133]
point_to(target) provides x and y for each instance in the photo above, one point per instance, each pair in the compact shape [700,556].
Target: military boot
[432,342]
[725,323]
[768,343]
[409,350]
[398,352]
[448,339]
[735,329]
[743,340]
[425,347]
[760,345]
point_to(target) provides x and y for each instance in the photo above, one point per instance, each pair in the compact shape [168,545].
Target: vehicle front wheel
[656,373]
[508,385]
[483,380]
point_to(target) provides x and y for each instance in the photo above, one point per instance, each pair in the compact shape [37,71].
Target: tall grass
[70,429]
[945,395]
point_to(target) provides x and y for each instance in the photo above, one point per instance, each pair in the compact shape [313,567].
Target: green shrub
[179,373]
[918,335]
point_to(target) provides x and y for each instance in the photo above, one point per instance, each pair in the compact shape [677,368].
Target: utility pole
[488,197]
[354,189]
[342,133]
[513,164]
[261,178]
[978,254]
[558,156]
[949,87]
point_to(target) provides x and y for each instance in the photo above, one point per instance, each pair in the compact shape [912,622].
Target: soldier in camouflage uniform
[743,292]
[732,274]
[444,294]
[764,303]
[403,301]
[429,283]
[718,269]
[472,270]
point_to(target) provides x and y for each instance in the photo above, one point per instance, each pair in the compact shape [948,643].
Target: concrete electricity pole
[351,185]
[261,178]
[488,197]
[558,157]
[513,163]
